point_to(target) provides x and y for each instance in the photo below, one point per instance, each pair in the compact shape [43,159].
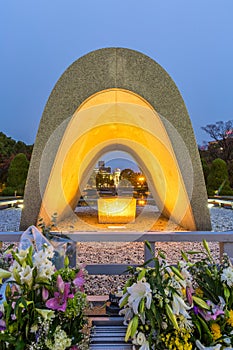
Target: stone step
[108,333]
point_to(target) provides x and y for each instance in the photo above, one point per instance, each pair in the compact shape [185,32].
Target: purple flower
[2,325]
[2,322]
[208,315]
[59,301]
[79,280]
[45,293]
[74,347]
[189,296]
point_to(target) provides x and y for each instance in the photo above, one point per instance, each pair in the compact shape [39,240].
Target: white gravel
[128,253]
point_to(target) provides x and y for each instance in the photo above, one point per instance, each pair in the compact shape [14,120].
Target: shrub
[218,179]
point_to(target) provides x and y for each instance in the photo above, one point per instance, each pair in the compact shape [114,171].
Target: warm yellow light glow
[141,202]
[116,210]
[141,178]
[116,120]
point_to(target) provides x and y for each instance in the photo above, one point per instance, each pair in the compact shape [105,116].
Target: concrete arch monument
[112,99]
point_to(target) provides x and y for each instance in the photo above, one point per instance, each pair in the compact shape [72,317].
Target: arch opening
[113,120]
[117,177]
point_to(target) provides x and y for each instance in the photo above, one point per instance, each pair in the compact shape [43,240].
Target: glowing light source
[116,210]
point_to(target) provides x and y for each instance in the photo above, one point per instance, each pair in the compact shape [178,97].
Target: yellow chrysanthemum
[199,292]
[178,340]
[216,331]
[230,319]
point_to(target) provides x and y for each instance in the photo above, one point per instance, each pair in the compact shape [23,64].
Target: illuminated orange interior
[111,120]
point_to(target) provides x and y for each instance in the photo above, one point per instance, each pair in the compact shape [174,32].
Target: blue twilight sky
[192,40]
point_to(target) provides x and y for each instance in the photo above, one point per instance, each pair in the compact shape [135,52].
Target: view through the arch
[117,179]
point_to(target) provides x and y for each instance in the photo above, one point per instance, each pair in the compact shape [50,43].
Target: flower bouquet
[187,306]
[42,308]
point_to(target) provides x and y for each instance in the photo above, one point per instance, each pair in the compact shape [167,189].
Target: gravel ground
[128,253]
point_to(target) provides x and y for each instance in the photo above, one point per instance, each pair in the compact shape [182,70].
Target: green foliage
[42,310]
[186,307]
[218,178]
[135,179]
[17,173]
[8,149]
[9,191]
[205,168]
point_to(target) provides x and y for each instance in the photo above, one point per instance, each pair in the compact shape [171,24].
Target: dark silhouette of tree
[129,175]
[222,134]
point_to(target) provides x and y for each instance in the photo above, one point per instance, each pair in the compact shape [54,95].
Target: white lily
[26,275]
[200,346]
[145,346]
[128,314]
[137,292]
[179,306]
[22,254]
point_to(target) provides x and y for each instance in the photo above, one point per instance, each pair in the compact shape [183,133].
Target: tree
[222,134]
[17,173]
[8,149]
[129,176]
[218,181]
[206,169]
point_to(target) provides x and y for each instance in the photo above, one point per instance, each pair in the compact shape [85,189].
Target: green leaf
[206,246]
[7,337]
[20,345]
[227,293]
[171,316]
[193,252]
[200,302]
[141,307]
[141,274]
[134,325]
[161,254]
[124,301]
[149,247]
[128,332]
[184,256]
[198,326]
[205,329]
[177,272]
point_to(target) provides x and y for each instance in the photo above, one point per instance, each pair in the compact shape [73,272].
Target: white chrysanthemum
[137,292]
[227,275]
[26,275]
[141,339]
